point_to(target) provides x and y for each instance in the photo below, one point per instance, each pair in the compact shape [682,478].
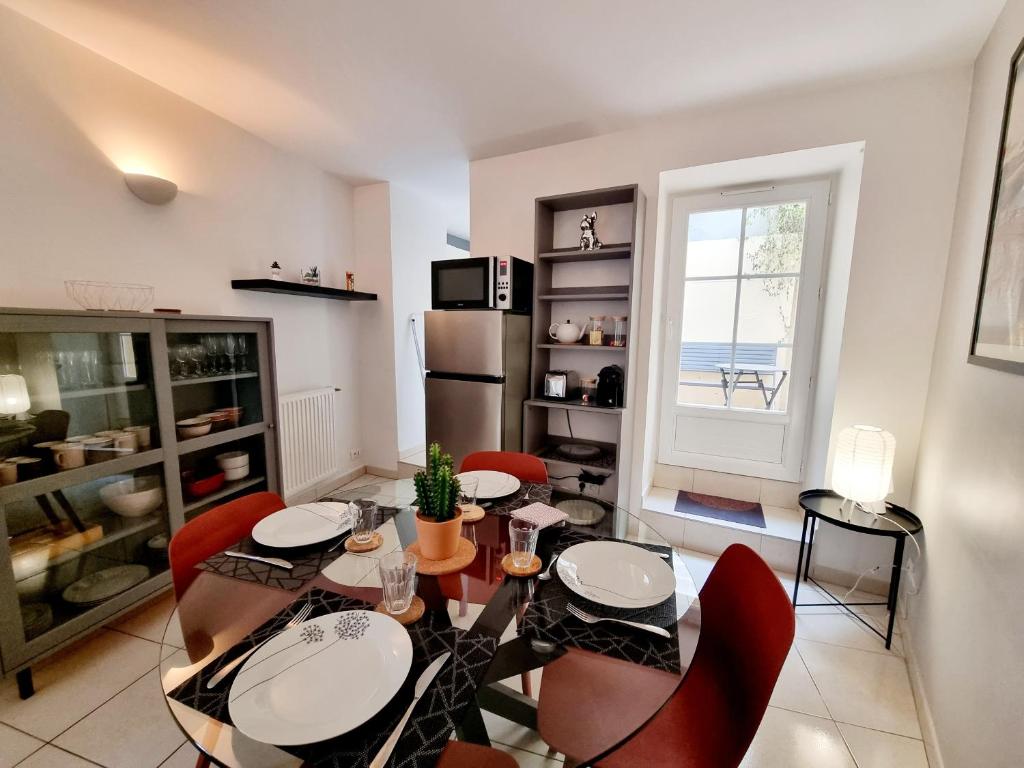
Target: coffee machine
[610,387]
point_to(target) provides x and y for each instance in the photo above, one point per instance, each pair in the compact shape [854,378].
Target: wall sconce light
[151,189]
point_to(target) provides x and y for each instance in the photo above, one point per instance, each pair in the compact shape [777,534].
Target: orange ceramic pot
[438,541]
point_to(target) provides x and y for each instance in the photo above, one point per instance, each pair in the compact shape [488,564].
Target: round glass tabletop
[504,632]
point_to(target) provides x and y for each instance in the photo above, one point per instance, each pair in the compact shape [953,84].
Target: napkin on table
[541,514]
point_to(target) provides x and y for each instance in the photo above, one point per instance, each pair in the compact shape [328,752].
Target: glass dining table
[499,629]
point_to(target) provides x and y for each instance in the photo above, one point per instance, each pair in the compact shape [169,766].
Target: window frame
[797,416]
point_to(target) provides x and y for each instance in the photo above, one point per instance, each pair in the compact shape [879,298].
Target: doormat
[719,508]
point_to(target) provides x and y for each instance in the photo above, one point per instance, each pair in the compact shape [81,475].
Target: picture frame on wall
[998,338]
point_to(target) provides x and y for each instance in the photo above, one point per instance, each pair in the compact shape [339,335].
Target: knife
[274,561]
[426,678]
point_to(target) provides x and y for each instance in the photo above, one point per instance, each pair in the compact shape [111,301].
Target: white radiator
[308,445]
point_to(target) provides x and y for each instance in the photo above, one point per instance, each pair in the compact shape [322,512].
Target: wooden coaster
[512,570]
[472,513]
[463,556]
[353,546]
[414,613]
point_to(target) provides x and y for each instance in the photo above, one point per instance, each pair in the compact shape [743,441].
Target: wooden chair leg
[202,761]
[527,684]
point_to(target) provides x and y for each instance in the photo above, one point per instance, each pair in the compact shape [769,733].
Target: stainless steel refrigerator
[478,371]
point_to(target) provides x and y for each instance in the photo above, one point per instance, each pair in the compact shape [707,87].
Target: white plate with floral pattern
[321,679]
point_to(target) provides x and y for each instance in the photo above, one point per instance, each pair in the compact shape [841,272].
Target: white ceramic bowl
[232,459]
[236,473]
[134,496]
[196,427]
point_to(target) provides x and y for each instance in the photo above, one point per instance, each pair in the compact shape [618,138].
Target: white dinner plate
[321,678]
[303,525]
[616,574]
[103,585]
[493,485]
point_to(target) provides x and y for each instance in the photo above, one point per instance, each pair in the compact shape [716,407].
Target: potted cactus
[438,517]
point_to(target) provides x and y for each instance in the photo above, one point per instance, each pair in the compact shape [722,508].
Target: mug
[8,473]
[107,432]
[126,442]
[98,449]
[143,434]
[69,455]
[30,468]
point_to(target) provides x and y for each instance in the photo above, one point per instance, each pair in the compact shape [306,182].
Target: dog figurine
[588,236]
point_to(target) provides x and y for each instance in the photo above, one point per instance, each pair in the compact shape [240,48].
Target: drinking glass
[243,347]
[467,490]
[364,519]
[210,345]
[181,358]
[230,349]
[523,535]
[197,355]
[398,578]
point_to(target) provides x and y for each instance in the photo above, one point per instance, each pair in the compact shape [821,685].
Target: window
[744,273]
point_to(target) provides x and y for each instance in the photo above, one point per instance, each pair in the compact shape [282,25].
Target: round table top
[894,521]
[526,617]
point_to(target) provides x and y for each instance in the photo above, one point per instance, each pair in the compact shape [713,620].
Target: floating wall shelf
[266,285]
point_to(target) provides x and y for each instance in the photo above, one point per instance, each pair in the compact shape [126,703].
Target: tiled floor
[842,700]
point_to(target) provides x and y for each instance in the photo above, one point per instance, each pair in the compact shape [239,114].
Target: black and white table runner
[431,724]
[308,562]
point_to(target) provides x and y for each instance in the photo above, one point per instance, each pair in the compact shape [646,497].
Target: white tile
[184,757]
[874,749]
[132,730]
[52,757]
[73,683]
[783,522]
[793,740]
[844,630]
[350,569]
[863,688]
[780,494]
[780,554]
[670,526]
[512,734]
[662,500]
[698,564]
[795,690]
[15,746]
[739,487]
[148,621]
[715,539]
[678,478]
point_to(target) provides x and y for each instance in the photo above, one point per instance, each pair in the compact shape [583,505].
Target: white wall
[968,621]
[913,130]
[418,237]
[70,120]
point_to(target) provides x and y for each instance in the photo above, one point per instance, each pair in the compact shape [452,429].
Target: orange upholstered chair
[214,530]
[747,627]
[522,465]
[463,754]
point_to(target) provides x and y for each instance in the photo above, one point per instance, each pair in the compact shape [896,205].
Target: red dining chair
[214,530]
[746,630]
[522,465]
[464,754]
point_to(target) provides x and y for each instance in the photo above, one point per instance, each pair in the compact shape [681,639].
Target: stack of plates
[99,587]
[36,618]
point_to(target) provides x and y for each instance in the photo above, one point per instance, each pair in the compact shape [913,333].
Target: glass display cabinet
[115,429]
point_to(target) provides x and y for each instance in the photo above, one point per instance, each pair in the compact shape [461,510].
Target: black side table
[827,506]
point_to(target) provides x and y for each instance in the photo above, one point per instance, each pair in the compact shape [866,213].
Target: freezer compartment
[468,341]
[464,416]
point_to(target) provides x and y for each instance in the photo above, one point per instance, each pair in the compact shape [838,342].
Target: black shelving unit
[266,285]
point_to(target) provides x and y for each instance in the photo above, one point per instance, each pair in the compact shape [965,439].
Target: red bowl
[202,486]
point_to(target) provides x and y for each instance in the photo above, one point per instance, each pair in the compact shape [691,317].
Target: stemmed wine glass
[196,355]
[243,346]
[181,358]
[230,349]
[211,346]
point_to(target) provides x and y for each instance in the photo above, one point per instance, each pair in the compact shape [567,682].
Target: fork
[589,618]
[297,619]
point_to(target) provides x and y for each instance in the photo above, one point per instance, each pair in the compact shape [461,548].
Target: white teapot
[567,332]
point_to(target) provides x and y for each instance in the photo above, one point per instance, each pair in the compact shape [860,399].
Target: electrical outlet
[355,453]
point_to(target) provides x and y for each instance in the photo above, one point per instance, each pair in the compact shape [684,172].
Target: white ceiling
[410,91]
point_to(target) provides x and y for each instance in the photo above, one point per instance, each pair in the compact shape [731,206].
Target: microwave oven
[482,282]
